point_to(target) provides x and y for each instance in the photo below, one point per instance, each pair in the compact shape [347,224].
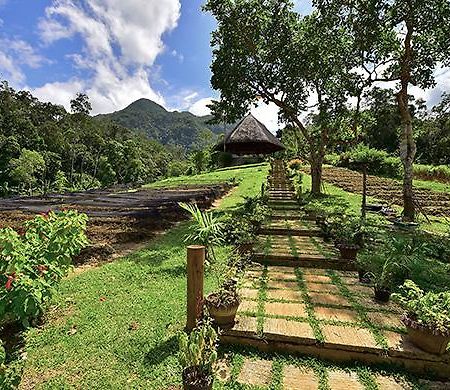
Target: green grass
[116,326]
[339,197]
[248,177]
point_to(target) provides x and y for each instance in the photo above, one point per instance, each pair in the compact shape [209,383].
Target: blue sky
[117,51]
[114,50]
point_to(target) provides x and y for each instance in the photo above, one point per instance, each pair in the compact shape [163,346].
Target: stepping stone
[360,289]
[351,337]
[244,326]
[317,278]
[285,309]
[314,271]
[255,373]
[328,299]
[286,295]
[342,380]
[385,319]
[248,306]
[248,293]
[296,378]
[283,329]
[391,383]
[286,270]
[322,287]
[281,276]
[282,284]
[344,315]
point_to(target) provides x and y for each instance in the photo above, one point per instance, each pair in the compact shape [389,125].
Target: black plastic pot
[363,277]
[382,295]
[194,379]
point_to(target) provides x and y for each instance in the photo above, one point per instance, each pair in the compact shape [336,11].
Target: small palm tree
[207,229]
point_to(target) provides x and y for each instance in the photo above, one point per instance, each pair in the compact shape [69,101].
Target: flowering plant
[35,259]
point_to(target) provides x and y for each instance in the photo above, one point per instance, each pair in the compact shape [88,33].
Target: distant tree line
[44,148]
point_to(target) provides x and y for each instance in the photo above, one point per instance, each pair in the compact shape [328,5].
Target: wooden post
[195,271]
[364,195]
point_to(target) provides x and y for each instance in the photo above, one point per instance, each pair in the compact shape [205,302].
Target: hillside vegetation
[179,128]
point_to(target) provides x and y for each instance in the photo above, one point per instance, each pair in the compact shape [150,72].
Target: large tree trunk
[407,144]
[316,173]
[407,154]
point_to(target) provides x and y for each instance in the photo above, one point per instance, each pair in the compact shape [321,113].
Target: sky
[118,51]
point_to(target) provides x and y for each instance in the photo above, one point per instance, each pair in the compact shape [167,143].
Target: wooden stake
[195,273]
[364,195]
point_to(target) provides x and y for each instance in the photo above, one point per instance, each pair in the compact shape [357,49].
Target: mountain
[180,128]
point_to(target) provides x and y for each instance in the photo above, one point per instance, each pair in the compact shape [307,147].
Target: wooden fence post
[364,194]
[195,271]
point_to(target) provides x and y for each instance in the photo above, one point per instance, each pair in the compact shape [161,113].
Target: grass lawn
[115,326]
[353,201]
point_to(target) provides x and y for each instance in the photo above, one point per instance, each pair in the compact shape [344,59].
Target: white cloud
[200,108]
[15,53]
[121,40]
[268,115]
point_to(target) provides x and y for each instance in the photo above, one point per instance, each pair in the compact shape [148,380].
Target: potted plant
[348,234]
[223,304]
[197,357]
[383,279]
[363,261]
[427,317]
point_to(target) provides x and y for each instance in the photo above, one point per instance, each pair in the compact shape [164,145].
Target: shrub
[429,310]
[295,164]
[439,173]
[33,261]
[198,349]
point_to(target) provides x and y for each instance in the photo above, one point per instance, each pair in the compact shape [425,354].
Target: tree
[401,41]
[264,51]
[27,169]
[80,104]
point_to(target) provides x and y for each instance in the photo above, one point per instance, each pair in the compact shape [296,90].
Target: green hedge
[382,163]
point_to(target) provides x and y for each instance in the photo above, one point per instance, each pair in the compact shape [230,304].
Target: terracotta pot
[348,252]
[225,316]
[193,379]
[382,295]
[426,340]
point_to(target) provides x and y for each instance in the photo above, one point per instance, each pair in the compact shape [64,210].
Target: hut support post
[195,274]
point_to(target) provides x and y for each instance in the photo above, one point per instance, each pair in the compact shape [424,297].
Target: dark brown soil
[118,221]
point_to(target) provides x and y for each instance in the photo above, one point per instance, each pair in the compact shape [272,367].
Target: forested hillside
[44,148]
[178,128]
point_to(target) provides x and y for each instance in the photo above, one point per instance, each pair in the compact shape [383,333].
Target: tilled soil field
[390,191]
[118,221]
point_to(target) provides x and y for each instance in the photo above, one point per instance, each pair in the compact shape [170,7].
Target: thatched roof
[250,136]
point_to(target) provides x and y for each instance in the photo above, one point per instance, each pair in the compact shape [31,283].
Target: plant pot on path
[425,338]
[348,252]
[245,248]
[363,276]
[223,314]
[382,294]
[195,379]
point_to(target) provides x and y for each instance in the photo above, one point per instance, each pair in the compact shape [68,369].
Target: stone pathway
[285,375]
[302,298]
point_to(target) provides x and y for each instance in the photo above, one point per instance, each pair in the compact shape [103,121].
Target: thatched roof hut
[250,136]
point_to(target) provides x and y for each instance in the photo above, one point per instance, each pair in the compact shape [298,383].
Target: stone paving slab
[290,308]
[262,373]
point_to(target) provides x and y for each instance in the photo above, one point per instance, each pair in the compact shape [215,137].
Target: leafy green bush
[33,261]
[429,310]
[207,229]
[198,349]
[439,173]
[348,231]
[378,162]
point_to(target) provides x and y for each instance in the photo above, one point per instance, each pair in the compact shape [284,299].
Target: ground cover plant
[146,293]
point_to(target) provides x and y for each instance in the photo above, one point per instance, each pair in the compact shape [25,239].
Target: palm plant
[207,229]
